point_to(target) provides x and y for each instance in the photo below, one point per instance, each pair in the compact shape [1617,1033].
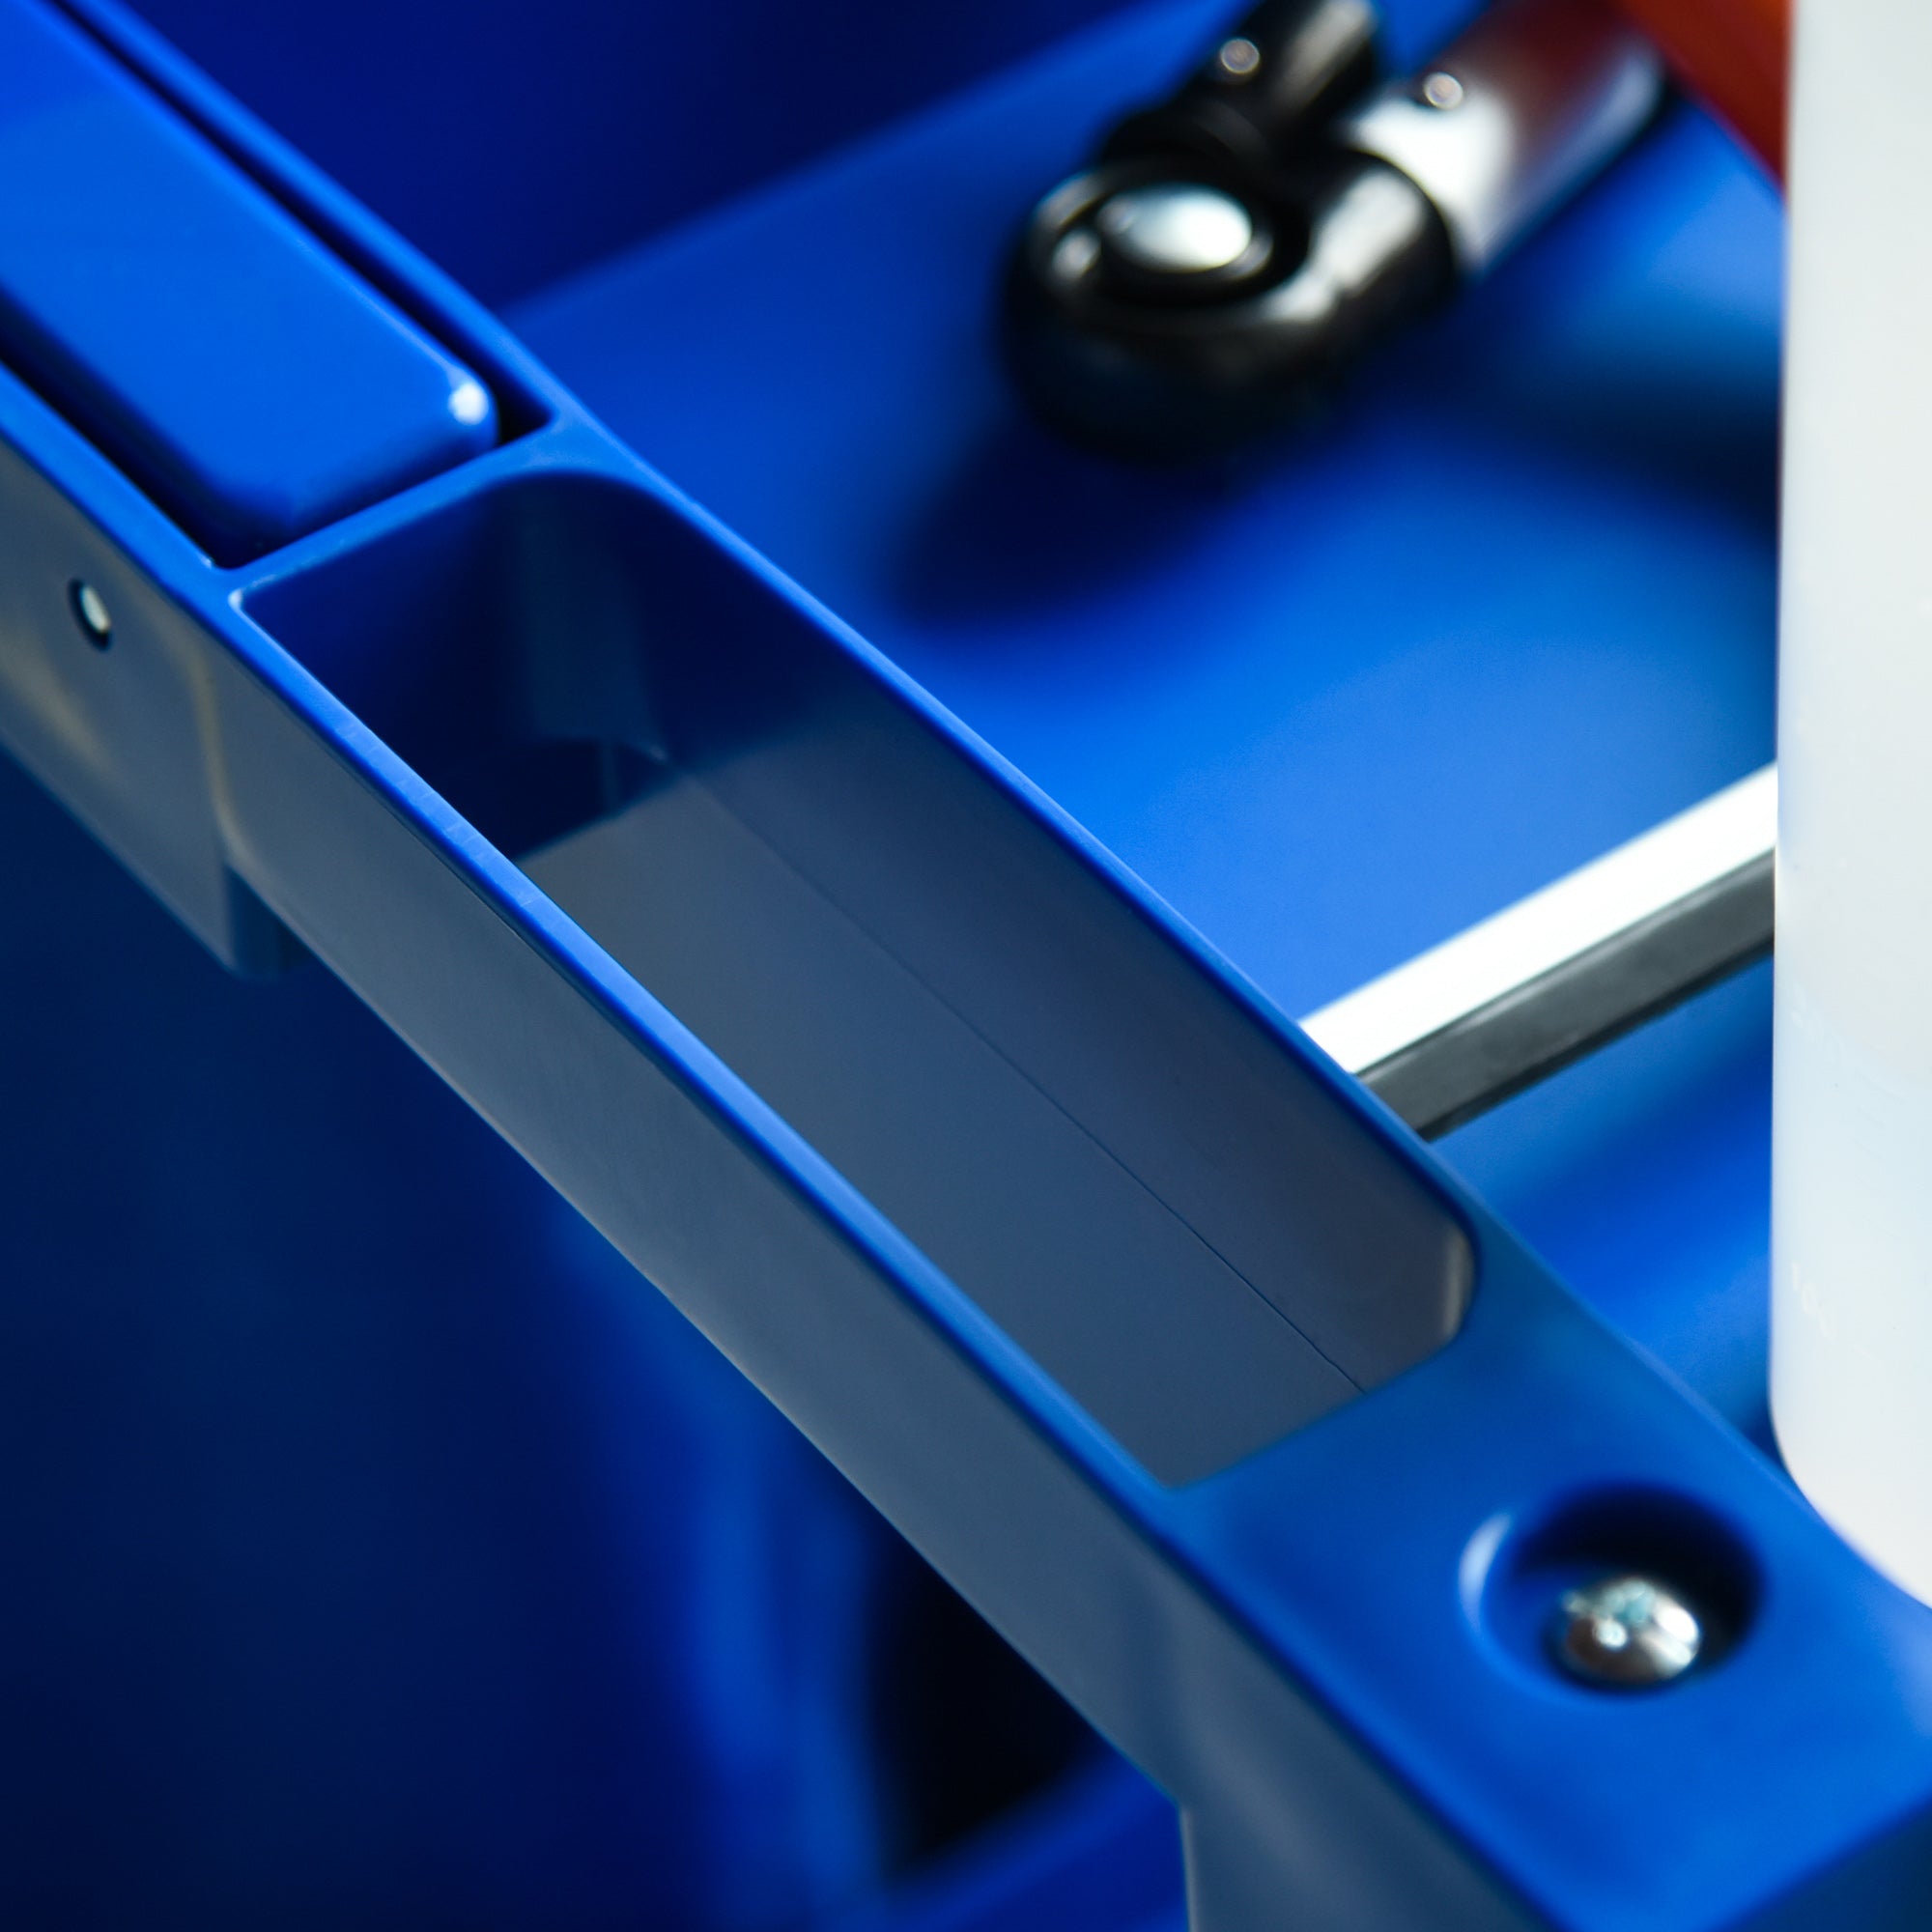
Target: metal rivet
[1441,90]
[1176,228]
[1238,58]
[90,613]
[1627,1633]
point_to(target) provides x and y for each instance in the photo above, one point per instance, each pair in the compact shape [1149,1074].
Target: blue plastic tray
[394,1556]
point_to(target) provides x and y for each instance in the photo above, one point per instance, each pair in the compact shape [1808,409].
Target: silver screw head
[1176,228]
[1627,1633]
[1441,90]
[1238,57]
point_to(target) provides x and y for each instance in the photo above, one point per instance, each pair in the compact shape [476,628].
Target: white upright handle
[1852,1157]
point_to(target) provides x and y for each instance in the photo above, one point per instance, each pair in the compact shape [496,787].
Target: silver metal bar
[1621,940]
[1513,117]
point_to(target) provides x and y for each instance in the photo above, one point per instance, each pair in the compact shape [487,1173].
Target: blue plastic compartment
[934,1120]
[1512,605]
[1132,1177]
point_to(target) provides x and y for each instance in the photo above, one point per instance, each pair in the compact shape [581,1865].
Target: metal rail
[1524,993]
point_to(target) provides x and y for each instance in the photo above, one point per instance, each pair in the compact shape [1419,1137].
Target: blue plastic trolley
[859,856]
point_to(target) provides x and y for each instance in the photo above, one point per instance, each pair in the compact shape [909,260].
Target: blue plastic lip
[238,371]
[526,395]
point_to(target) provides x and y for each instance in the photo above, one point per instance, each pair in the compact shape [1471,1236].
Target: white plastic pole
[1852,1133]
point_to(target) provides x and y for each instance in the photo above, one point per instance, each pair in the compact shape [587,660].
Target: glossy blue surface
[1511,605]
[208,342]
[321,1416]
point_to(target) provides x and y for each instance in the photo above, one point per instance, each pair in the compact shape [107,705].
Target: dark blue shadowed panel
[514,147]
[381,1550]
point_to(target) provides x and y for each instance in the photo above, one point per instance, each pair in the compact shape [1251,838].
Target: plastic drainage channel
[1317,1636]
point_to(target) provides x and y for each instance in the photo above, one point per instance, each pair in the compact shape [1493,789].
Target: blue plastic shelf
[845,863]
[1512,607]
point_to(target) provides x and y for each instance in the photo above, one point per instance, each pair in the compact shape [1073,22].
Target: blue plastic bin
[747,868]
